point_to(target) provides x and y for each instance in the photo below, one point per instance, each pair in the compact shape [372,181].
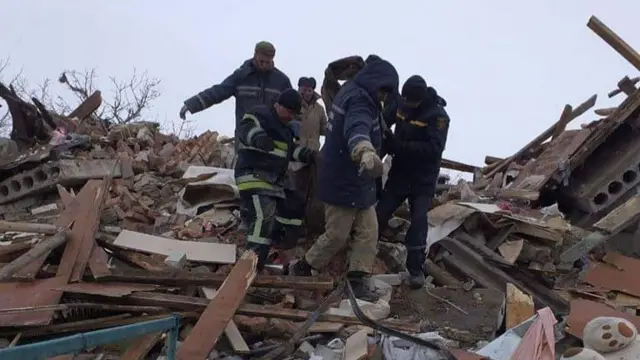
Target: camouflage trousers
[347,226]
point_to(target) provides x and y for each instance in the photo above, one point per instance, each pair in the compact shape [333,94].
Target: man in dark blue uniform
[256,82]
[421,126]
[347,175]
[265,147]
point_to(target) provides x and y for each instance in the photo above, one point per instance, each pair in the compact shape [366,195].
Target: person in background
[347,176]
[311,124]
[265,147]
[256,82]
[421,127]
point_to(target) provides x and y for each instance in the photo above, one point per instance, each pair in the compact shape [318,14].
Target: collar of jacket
[314,100]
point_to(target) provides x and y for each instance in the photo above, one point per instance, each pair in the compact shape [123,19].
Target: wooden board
[204,336]
[86,241]
[231,331]
[196,251]
[537,173]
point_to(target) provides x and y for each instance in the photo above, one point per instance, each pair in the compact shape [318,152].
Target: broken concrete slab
[47,176]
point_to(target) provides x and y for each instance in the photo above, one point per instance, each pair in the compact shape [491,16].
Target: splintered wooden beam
[615,41]
[458,166]
[215,318]
[625,85]
[564,120]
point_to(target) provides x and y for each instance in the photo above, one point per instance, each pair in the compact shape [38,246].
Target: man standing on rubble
[265,147]
[421,127]
[347,174]
[256,82]
[312,125]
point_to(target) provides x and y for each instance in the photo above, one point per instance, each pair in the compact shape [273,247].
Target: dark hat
[414,89]
[307,81]
[265,48]
[291,100]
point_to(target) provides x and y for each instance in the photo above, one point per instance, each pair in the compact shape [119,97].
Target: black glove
[263,142]
[307,155]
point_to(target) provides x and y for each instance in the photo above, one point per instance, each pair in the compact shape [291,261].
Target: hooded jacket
[313,123]
[248,85]
[354,117]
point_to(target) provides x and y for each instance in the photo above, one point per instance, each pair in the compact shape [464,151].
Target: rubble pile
[111,225]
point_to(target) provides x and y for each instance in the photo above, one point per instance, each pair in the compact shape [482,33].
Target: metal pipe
[79,342]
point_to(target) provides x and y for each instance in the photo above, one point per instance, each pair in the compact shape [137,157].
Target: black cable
[389,331]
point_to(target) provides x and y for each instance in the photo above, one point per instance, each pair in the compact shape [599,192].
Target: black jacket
[354,116]
[420,139]
[249,86]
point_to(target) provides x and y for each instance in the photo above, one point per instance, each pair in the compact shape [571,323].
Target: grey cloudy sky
[506,68]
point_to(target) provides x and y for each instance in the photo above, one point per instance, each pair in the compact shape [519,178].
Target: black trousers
[270,221]
[396,191]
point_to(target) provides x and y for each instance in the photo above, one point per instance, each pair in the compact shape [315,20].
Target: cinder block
[45,177]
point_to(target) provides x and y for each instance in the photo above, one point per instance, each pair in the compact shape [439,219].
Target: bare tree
[129,99]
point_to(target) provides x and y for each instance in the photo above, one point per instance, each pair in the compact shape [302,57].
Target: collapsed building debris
[106,226]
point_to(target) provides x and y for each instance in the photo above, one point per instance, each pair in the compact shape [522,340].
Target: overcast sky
[506,68]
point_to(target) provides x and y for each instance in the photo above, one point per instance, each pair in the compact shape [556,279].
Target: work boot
[360,286]
[299,268]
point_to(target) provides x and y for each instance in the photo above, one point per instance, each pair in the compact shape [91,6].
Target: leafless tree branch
[129,98]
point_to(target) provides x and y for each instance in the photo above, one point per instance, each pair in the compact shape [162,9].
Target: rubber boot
[360,286]
[299,268]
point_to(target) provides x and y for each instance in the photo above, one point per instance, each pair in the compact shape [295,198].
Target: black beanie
[291,100]
[308,82]
[414,89]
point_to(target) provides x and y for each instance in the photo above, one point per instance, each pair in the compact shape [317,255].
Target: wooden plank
[204,336]
[45,246]
[561,125]
[99,263]
[615,41]
[536,174]
[357,346]
[141,347]
[581,109]
[324,327]
[65,219]
[10,226]
[180,302]
[314,283]
[621,217]
[39,292]
[231,331]
[88,106]
[196,251]
[519,306]
[78,250]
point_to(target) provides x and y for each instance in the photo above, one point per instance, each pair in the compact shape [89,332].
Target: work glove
[365,155]
[183,112]
[371,164]
[263,142]
[307,155]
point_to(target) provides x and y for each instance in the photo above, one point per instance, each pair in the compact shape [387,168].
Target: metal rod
[79,342]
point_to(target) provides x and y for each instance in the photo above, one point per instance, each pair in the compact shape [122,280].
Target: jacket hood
[377,74]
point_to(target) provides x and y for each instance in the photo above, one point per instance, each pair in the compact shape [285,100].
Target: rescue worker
[256,82]
[265,147]
[347,176]
[421,127]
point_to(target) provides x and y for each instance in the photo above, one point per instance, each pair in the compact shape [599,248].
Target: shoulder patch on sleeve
[442,123]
